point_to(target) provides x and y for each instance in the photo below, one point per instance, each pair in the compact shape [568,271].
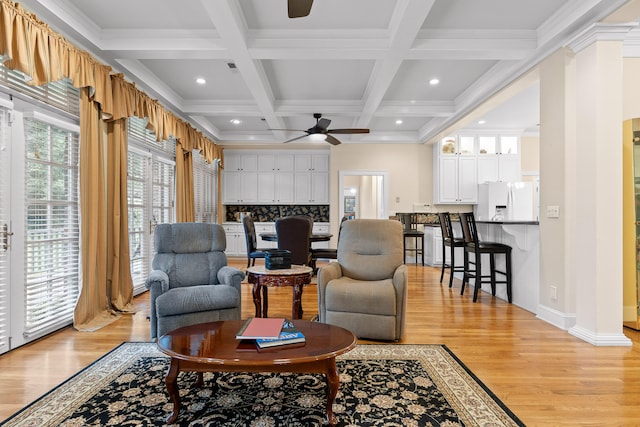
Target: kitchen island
[524,239]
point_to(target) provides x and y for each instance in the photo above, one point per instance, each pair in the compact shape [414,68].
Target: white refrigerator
[505,201]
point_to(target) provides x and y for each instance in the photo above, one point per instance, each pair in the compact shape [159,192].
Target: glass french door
[39,225]
[151,201]
[5,232]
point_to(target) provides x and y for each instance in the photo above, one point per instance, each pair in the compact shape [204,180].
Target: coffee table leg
[333,383]
[172,388]
[199,380]
[296,310]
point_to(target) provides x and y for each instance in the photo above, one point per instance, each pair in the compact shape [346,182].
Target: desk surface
[315,237]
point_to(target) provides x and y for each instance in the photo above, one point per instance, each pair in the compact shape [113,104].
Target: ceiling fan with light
[320,128]
[299,8]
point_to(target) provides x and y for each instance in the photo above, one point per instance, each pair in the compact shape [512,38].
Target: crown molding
[600,32]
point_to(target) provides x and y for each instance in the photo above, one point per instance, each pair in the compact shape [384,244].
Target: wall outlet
[553,211]
[553,292]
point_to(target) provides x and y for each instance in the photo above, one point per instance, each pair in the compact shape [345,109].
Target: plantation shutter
[205,189]
[151,186]
[5,315]
[138,194]
[60,94]
[163,191]
[52,237]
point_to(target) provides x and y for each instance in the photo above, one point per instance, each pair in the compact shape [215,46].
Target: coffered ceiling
[361,63]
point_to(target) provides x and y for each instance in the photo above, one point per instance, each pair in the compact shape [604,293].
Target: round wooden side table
[297,276]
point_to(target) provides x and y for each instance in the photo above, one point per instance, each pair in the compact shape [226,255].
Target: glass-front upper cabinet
[488,145]
[460,145]
[509,145]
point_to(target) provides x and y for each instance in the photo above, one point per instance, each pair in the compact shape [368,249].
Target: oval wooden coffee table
[212,347]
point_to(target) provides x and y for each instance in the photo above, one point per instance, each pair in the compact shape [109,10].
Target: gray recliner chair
[365,291]
[191,282]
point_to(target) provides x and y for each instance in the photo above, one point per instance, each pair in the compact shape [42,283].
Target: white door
[39,239]
[151,202]
[5,230]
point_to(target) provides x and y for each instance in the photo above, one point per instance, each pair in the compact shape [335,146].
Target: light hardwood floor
[543,374]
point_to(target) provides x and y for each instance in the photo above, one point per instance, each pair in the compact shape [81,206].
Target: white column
[596,243]
[557,179]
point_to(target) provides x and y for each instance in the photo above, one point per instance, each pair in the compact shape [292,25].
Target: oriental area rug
[380,385]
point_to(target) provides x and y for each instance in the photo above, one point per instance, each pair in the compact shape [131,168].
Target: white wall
[409,168]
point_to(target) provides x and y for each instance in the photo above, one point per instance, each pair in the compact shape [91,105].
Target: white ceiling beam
[406,22]
[222,108]
[229,22]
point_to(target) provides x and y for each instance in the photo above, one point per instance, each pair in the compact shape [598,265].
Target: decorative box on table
[277,259]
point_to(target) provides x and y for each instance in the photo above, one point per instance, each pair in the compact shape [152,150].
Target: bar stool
[410,230]
[448,239]
[476,247]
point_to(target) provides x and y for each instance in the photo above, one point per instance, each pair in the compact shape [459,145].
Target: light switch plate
[553,211]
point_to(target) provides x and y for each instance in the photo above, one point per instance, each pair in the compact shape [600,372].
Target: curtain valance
[31,46]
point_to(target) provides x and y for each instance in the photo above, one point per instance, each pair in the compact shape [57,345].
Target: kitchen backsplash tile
[269,213]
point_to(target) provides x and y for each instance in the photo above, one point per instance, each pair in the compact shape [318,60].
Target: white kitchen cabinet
[234,161]
[434,256]
[311,162]
[277,162]
[240,178]
[311,178]
[275,177]
[498,158]
[236,245]
[320,228]
[275,188]
[456,179]
[433,246]
[265,227]
[461,145]
[239,187]
[311,188]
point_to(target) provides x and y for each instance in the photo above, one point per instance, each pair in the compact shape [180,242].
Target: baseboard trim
[600,340]
[567,322]
[557,318]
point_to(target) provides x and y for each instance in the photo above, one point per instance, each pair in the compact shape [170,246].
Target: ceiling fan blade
[299,8]
[348,131]
[323,124]
[296,138]
[332,140]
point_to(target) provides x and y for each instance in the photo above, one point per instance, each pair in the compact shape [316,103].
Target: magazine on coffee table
[261,328]
[288,335]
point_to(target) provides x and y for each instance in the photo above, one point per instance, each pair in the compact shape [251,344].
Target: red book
[260,328]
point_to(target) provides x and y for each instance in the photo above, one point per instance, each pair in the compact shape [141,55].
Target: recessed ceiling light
[481,122]
[236,121]
[201,80]
[398,122]
[434,81]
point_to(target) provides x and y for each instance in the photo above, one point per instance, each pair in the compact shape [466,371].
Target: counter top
[507,222]
[268,223]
